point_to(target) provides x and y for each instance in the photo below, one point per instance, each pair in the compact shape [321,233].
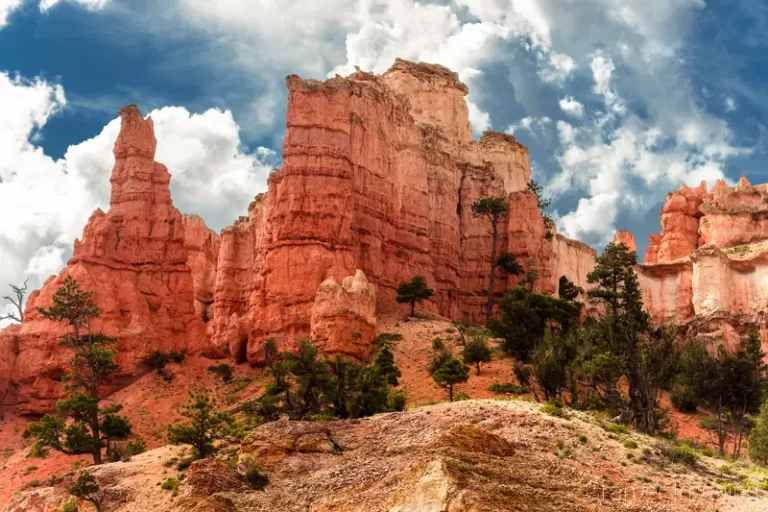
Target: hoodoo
[378,179]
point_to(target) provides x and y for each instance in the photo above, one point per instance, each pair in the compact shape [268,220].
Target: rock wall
[707,271]
[379,175]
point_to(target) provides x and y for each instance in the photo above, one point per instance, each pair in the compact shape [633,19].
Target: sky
[619,101]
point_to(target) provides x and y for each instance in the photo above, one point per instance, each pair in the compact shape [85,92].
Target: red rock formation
[379,174]
[134,260]
[626,238]
[344,316]
[679,224]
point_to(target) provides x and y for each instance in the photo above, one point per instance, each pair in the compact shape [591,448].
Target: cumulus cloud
[571,106]
[46,202]
[6,8]
[730,104]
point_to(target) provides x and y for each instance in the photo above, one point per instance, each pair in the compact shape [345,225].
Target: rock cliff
[379,175]
[706,271]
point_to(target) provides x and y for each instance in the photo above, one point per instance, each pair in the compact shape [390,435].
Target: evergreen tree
[205,424]
[758,439]
[312,379]
[617,287]
[476,351]
[86,488]
[508,262]
[566,290]
[440,354]
[542,204]
[385,365]
[90,427]
[493,209]
[550,363]
[270,352]
[524,317]
[414,291]
[451,372]
[531,274]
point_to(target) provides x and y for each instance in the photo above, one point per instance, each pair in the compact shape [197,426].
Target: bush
[397,402]
[184,463]
[554,407]
[255,478]
[583,439]
[522,374]
[222,371]
[684,400]
[69,505]
[629,443]
[134,447]
[682,453]
[461,395]
[170,484]
[708,452]
[758,439]
[616,428]
[158,360]
[506,388]
[177,357]
[388,337]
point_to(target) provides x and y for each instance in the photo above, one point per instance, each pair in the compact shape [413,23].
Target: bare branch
[18,303]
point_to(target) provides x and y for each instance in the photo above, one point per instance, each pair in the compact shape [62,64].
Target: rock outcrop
[134,260]
[706,271]
[378,179]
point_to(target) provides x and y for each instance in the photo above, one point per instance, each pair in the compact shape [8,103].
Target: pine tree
[550,363]
[414,291]
[312,379]
[566,290]
[493,209]
[508,262]
[204,426]
[542,204]
[386,367]
[91,428]
[451,372]
[476,351]
[758,439]
[86,488]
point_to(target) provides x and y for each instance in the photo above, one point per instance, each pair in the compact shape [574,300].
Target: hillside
[477,455]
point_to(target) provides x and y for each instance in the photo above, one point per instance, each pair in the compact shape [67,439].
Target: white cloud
[730,104]
[480,120]
[560,68]
[90,4]
[530,124]
[571,106]
[6,8]
[46,202]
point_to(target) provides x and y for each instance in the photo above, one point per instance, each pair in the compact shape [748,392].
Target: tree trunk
[641,404]
[477,365]
[492,285]
[413,308]
[450,392]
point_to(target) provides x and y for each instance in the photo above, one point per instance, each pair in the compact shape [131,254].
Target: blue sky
[619,101]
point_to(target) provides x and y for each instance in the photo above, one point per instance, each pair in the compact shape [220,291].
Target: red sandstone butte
[379,175]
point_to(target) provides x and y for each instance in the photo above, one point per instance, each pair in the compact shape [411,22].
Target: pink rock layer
[378,179]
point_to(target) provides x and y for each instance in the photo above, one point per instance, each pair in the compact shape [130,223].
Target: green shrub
[397,402]
[134,447]
[177,357]
[616,428]
[583,439]
[629,443]
[554,407]
[461,395]
[682,453]
[222,371]
[170,484]
[758,439]
[506,388]
[185,462]
[255,477]
[522,374]
[158,360]
[69,505]
[388,337]
[684,399]
[731,489]
[708,451]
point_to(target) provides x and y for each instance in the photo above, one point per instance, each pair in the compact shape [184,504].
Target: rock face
[134,260]
[378,179]
[344,316]
[706,271]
